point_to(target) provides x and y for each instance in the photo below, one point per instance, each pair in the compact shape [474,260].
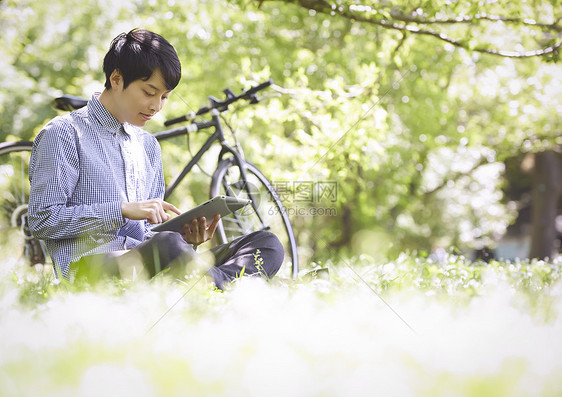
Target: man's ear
[116,79]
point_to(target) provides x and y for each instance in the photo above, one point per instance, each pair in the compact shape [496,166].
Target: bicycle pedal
[35,252]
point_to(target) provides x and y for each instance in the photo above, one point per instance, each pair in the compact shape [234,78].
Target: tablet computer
[222,205]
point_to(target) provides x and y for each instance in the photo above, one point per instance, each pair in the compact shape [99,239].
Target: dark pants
[258,253]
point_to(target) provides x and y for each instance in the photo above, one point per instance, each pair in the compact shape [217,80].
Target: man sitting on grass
[97,182]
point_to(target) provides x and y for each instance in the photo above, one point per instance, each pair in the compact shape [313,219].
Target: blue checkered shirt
[83,165]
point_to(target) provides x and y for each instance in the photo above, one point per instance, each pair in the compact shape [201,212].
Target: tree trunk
[547,186]
[346,227]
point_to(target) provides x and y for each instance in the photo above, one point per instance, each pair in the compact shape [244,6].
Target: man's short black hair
[137,54]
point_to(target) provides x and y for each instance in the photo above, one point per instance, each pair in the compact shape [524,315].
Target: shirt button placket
[129,167]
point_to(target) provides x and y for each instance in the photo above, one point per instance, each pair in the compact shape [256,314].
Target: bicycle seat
[69,102]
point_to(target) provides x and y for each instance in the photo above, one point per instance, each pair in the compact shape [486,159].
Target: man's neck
[108,101]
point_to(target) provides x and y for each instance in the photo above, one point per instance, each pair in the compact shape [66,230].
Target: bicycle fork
[241,163]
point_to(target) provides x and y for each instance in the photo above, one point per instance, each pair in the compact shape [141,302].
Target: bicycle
[233,176]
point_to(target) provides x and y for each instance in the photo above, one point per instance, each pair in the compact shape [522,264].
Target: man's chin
[138,123]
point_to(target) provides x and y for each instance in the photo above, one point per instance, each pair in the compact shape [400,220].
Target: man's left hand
[198,231]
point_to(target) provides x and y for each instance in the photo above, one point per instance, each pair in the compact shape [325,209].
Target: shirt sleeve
[53,173]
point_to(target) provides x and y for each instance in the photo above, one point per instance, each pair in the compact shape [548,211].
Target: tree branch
[324,7]
[395,51]
[447,39]
[478,17]
[456,176]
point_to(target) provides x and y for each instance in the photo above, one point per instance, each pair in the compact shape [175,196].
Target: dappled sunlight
[399,109]
[110,379]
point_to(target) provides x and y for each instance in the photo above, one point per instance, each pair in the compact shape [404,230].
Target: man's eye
[148,93]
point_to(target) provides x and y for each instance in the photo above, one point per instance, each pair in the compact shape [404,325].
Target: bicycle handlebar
[222,106]
[194,127]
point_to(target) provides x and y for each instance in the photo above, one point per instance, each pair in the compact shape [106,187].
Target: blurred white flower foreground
[319,338]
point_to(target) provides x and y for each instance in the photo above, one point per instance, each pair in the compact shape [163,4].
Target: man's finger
[170,207]
[215,222]
[202,228]
[212,227]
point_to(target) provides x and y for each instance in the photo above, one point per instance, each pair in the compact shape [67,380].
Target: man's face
[141,100]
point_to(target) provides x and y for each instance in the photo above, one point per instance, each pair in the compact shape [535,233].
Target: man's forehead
[160,87]
[156,81]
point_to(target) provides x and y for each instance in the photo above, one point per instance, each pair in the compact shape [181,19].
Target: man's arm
[53,173]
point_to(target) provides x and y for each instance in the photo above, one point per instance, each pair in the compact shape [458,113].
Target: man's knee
[268,241]
[172,244]
[164,250]
[166,236]
[271,240]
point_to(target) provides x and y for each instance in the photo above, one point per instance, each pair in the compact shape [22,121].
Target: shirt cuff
[111,215]
[148,233]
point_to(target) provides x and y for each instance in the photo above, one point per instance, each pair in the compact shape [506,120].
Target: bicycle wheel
[266,213]
[15,236]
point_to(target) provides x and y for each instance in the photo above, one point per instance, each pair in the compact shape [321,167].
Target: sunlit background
[437,151]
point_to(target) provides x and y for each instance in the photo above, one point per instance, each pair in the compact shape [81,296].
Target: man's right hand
[151,210]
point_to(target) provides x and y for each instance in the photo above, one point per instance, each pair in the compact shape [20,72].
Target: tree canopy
[462,24]
[413,128]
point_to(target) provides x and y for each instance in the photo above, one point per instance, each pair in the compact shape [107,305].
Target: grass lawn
[409,327]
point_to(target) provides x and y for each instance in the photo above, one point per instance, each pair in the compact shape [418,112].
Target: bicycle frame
[237,160]
[217,135]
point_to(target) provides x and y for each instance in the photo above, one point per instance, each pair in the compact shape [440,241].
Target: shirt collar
[104,117]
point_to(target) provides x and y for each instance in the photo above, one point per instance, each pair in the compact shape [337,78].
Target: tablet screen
[221,205]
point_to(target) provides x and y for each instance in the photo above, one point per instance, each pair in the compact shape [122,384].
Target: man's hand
[198,231]
[151,210]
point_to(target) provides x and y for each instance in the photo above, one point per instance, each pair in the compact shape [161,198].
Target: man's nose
[156,105]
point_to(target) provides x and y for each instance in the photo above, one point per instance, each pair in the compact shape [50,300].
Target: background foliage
[413,129]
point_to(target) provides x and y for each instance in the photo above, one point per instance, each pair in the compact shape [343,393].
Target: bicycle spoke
[23,179]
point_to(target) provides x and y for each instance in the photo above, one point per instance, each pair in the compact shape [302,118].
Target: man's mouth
[146,116]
